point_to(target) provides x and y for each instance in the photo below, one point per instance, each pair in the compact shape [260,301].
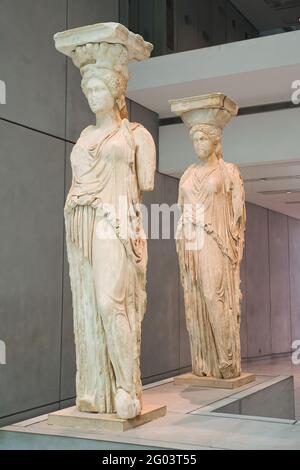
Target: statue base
[193,380]
[72,417]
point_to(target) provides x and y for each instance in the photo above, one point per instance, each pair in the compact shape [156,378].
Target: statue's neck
[108,120]
[210,162]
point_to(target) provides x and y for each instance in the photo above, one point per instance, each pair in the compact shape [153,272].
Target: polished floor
[191,421]
[279,366]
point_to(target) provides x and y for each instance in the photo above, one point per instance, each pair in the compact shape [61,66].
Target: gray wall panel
[124,12]
[219,21]
[185,359]
[294,239]
[187,22]
[31,191]
[169,278]
[82,13]
[148,118]
[68,362]
[33,70]
[155,323]
[243,332]
[27,415]
[279,282]
[185,350]
[160,343]
[258,282]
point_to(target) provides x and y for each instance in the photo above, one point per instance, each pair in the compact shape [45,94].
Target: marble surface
[210,239]
[72,418]
[110,32]
[193,380]
[113,162]
[278,366]
[186,426]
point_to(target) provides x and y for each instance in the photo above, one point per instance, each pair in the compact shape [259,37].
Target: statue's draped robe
[107,254]
[210,275]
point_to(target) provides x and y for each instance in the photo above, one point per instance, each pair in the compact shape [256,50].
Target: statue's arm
[239,207]
[68,202]
[238,198]
[180,201]
[145,158]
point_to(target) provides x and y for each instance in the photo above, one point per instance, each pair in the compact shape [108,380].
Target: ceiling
[267,15]
[272,64]
[248,89]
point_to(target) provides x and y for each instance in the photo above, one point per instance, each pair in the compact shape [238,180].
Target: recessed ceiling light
[271,178]
[279,191]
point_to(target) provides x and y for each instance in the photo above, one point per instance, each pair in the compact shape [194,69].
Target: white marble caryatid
[210,239]
[112,162]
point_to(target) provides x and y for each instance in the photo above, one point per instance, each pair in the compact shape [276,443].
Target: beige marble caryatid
[112,162]
[210,239]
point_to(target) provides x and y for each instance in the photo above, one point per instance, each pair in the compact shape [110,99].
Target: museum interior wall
[44,114]
[176,25]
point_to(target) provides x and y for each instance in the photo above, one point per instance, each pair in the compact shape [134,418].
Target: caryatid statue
[112,162]
[210,239]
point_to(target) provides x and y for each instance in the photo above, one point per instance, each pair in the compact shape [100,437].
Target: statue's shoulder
[231,167]
[189,169]
[138,128]
[233,170]
[136,125]
[86,130]
[141,134]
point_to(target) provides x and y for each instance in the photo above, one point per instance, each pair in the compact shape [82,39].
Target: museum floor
[280,366]
[260,415]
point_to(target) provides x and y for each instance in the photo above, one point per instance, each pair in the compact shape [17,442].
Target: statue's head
[206,116]
[104,70]
[104,91]
[206,140]
[102,52]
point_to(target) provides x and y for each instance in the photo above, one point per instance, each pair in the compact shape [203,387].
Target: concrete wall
[267,317]
[190,24]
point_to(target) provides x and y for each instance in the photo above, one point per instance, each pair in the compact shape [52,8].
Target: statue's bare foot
[126,406]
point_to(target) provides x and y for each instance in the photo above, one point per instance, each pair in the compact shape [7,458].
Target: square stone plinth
[72,417]
[212,382]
